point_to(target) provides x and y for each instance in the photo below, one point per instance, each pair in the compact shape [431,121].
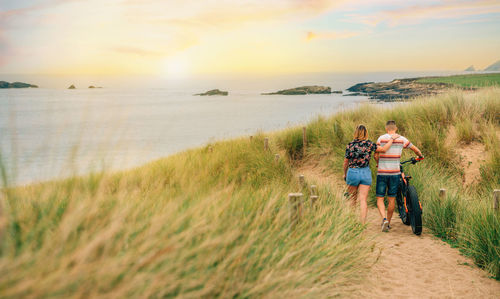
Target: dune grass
[465,218]
[209,222]
[213,221]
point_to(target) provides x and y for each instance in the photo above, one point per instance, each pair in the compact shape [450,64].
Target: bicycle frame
[405,181]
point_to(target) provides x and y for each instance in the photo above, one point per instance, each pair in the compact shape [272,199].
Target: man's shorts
[359,176]
[387,183]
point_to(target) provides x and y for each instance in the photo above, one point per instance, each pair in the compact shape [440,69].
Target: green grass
[214,223]
[467,81]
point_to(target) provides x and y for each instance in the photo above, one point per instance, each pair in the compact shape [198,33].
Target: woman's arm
[383,149]
[346,166]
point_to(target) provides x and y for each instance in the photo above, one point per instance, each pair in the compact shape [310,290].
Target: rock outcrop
[213,92]
[4,84]
[396,89]
[314,89]
[72,87]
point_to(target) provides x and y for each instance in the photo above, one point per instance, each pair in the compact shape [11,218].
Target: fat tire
[414,210]
[401,208]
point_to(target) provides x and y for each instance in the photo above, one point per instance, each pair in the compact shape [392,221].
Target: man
[389,171]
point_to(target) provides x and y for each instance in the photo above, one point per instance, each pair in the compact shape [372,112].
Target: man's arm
[417,151]
[385,148]
[346,166]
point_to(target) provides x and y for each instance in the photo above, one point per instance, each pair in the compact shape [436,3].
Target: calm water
[54,132]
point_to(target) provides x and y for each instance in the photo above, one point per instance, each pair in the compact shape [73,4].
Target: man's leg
[392,188]
[381,206]
[390,207]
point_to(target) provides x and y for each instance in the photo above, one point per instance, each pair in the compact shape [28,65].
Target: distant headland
[213,92]
[313,89]
[413,87]
[4,84]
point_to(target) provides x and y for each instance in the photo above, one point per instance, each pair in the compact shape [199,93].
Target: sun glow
[177,66]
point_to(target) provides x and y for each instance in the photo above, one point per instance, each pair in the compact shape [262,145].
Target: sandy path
[409,266]
[434,269]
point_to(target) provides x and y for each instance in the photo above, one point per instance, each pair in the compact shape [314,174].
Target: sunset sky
[180,37]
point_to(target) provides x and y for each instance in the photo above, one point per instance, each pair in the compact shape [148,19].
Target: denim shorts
[387,183]
[359,176]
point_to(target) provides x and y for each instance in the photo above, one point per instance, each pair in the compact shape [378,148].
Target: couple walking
[357,172]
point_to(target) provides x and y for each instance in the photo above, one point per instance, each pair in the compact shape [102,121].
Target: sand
[410,266]
[471,157]
[404,265]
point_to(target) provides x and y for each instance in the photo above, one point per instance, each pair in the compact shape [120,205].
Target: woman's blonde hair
[361,133]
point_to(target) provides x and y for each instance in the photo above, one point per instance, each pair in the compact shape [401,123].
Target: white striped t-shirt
[388,163]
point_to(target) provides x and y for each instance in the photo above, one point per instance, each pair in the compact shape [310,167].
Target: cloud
[136,51]
[415,14]
[331,35]
[210,14]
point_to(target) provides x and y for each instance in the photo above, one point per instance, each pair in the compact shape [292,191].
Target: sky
[183,37]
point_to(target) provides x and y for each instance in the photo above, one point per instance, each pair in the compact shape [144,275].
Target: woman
[357,172]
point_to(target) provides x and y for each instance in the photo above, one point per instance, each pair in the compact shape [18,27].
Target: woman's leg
[363,205]
[353,194]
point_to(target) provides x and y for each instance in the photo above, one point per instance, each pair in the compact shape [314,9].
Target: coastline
[247,113]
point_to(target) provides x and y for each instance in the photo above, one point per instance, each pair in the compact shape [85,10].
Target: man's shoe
[385,225]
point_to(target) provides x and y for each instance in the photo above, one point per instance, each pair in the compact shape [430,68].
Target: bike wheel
[401,208]
[414,210]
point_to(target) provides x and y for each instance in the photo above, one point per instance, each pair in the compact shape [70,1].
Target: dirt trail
[409,266]
[434,269]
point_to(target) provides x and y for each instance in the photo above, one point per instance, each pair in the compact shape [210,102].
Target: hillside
[465,81]
[408,88]
[213,221]
[495,67]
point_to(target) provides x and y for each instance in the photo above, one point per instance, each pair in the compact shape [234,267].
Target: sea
[53,132]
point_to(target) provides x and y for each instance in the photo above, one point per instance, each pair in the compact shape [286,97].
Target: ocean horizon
[52,132]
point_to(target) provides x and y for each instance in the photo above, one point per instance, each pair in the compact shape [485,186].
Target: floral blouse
[358,152]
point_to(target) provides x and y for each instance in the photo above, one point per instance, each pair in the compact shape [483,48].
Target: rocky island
[213,92]
[72,87]
[314,89]
[396,89]
[4,84]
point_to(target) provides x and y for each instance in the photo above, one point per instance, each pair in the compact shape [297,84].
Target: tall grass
[465,218]
[203,223]
[213,222]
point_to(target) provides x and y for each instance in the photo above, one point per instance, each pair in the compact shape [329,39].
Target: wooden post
[314,199]
[314,190]
[304,140]
[302,180]
[295,208]
[496,199]
[266,143]
[277,158]
[442,194]
[251,137]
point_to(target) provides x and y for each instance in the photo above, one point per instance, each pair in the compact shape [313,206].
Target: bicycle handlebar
[413,160]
